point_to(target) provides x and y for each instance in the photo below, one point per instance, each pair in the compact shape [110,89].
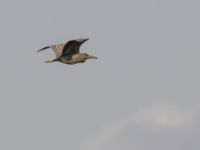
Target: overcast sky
[141,94]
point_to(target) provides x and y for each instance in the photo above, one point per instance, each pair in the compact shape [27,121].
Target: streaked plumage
[68,53]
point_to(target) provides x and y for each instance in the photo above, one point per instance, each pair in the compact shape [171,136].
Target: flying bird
[68,53]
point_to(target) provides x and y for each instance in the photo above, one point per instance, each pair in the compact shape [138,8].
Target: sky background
[141,94]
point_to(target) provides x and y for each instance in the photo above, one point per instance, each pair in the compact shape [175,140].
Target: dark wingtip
[42,49]
[86,39]
[81,40]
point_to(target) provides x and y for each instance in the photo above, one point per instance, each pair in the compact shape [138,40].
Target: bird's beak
[92,57]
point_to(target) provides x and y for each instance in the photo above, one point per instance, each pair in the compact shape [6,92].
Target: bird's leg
[50,61]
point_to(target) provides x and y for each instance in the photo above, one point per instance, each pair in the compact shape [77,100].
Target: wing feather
[57,49]
[67,49]
[72,47]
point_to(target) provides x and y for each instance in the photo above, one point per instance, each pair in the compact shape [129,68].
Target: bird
[68,53]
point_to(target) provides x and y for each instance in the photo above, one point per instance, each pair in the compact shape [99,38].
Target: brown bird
[68,53]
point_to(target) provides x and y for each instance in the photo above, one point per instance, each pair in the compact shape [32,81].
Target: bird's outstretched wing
[67,49]
[57,49]
[73,46]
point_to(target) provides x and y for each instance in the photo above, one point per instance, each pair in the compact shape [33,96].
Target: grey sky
[141,94]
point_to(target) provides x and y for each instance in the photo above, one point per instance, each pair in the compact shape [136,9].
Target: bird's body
[73,59]
[68,53]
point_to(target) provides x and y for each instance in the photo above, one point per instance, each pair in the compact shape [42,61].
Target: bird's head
[91,57]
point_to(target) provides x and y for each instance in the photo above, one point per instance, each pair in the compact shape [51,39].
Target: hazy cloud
[151,119]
